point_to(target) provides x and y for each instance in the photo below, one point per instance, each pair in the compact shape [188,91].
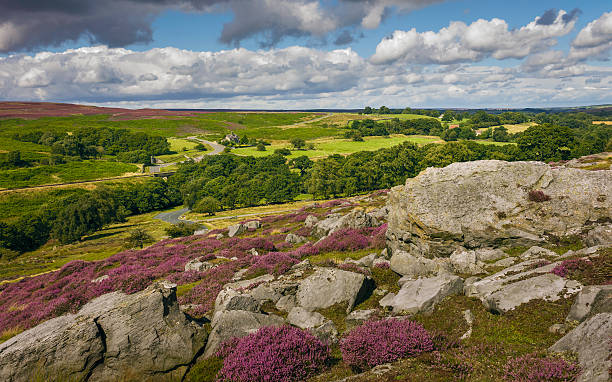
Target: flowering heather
[378,342]
[346,240]
[531,368]
[382,265]
[304,231]
[274,354]
[354,268]
[274,263]
[567,266]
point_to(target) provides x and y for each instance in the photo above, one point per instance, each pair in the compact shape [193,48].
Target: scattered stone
[253,252]
[236,229]
[329,286]
[407,265]
[292,238]
[252,225]
[557,329]
[591,341]
[358,317]
[286,303]
[536,252]
[311,221]
[508,261]
[489,254]
[197,265]
[100,279]
[367,261]
[326,332]
[423,294]
[219,236]
[464,261]
[305,319]
[591,300]
[600,235]
[469,318]
[203,231]
[239,274]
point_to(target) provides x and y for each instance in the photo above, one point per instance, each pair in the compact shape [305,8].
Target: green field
[61,173]
[327,147]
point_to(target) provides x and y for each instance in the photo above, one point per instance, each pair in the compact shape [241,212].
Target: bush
[378,342]
[207,205]
[181,229]
[538,196]
[275,354]
[531,368]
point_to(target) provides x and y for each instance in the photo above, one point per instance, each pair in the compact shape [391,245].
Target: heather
[273,354]
[383,341]
[531,368]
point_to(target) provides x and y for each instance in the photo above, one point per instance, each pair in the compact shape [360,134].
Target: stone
[203,231]
[100,279]
[292,238]
[286,303]
[486,204]
[549,287]
[422,295]
[380,213]
[367,261]
[219,236]
[252,225]
[143,334]
[591,300]
[358,317]
[591,341]
[253,252]
[508,261]
[600,235]
[489,254]
[536,252]
[197,265]
[305,319]
[236,323]
[465,261]
[311,221]
[407,265]
[381,263]
[354,220]
[329,286]
[326,332]
[236,229]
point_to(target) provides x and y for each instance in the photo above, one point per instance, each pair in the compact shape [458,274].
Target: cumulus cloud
[594,40]
[38,23]
[460,42]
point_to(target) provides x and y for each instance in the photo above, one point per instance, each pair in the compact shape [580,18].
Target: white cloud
[460,42]
[594,40]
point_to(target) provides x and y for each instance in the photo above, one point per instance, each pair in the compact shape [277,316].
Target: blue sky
[287,53]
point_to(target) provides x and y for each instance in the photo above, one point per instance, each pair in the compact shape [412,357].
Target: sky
[307,54]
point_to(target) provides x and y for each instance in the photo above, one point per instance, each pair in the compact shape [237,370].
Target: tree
[244,140]
[283,152]
[207,205]
[367,110]
[302,163]
[546,142]
[181,229]
[500,134]
[261,147]
[138,238]
[298,143]
[357,137]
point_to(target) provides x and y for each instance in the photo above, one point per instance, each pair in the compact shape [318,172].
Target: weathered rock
[253,224]
[600,235]
[380,213]
[292,238]
[486,204]
[489,254]
[591,300]
[407,265]
[144,334]
[311,221]
[536,252]
[286,303]
[358,317]
[381,263]
[354,220]
[367,261]
[548,287]
[422,295]
[327,287]
[203,231]
[326,332]
[197,265]
[305,319]
[219,236]
[465,261]
[100,279]
[591,341]
[236,323]
[236,229]
[508,261]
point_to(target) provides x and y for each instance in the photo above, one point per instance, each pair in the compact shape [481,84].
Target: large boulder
[305,319]
[591,300]
[111,337]
[406,264]
[330,286]
[491,203]
[353,220]
[422,295]
[591,341]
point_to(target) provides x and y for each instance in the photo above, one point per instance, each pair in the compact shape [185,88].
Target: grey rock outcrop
[329,286]
[486,204]
[253,224]
[600,235]
[112,336]
[422,295]
[406,264]
[197,265]
[466,261]
[292,238]
[591,300]
[305,319]
[354,220]
[236,229]
[591,341]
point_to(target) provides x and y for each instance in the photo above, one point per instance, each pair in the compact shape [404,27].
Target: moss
[270,308]
[204,371]
[515,251]
[338,257]
[182,290]
[384,279]
[336,313]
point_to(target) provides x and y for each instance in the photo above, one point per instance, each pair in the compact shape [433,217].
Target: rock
[591,341]
[557,329]
[203,231]
[353,220]
[143,334]
[197,265]
[239,274]
[600,235]
[464,261]
[310,221]
[381,263]
[236,323]
[367,261]
[100,279]
[486,204]
[286,303]
[508,261]
[238,296]
[252,225]
[329,286]
[305,319]
[236,229]
[536,252]
[548,287]
[326,332]
[219,236]
[302,265]
[380,213]
[294,239]
[423,294]
[489,254]
[358,317]
[591,300]
[253,252]
[407,265]
[469,318]
[385,254]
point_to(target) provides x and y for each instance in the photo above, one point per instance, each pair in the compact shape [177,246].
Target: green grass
[67,172]
[15,204]
[324,148]
[487,142]
[181,144]
[8,144]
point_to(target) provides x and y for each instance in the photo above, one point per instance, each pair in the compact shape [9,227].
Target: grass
[67,172]
[15,204]
[327,147]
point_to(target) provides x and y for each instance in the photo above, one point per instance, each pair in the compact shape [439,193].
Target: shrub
[568,266]
[274,354]
[275,263]
[538,196]
[181,229]
[531,368]
[378,342]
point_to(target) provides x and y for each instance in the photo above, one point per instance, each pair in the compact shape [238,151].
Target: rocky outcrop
[236,229]
[406,264]
[305,319]
[354,220]
[422,295]
[111,337]
[591,341]
[492,203]
[330,286]
[591,300]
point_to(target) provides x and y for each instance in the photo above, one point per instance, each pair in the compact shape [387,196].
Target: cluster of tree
[69,219]
[368,127]
[386,110]
[245,141]
[497,134]
[92,142]
[11,160]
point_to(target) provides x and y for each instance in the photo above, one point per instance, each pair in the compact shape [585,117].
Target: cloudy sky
[299,54]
